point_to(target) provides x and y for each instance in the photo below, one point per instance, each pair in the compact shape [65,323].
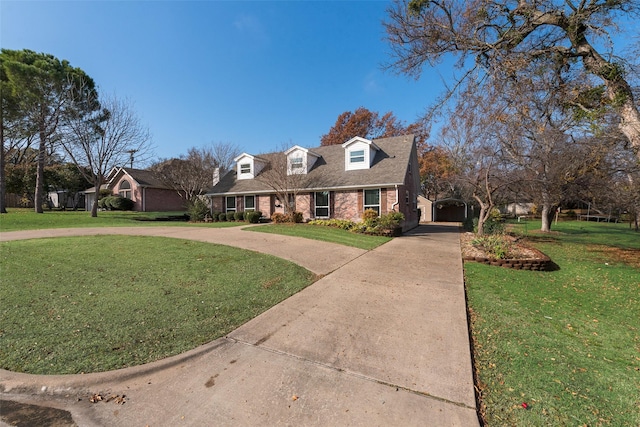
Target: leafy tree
[67,179]
[501,37]
[436,172]
[365,124]
[103,139]
[37,87]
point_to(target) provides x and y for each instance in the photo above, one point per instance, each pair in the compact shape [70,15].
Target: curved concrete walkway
[381,339]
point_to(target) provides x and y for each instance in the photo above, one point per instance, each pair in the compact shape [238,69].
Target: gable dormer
[248,166]
[300,160]
[359,153]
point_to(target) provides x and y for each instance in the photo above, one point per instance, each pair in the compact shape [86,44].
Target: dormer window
[359,153]
[248,166]
[356,156]
[300,160]
[297,163]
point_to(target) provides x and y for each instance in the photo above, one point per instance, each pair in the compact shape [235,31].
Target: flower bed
[520,257]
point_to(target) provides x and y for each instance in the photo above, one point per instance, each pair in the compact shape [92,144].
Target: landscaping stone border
[540,263]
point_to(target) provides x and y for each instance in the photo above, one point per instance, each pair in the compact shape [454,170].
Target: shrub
[106,202]
[253,217]
[104,193]
[222,216]
[279,218]
[496,244]
[216,216]
[343,224]
[239,216]
[494,224]
[370,217]
[296,217]
[119,203]
[390,221]
[197,209]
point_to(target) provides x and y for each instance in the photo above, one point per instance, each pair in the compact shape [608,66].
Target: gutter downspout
[393,206]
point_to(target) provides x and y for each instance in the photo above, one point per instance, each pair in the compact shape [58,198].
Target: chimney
[216,176]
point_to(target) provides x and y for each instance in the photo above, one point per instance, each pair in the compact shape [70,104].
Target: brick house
[336,181]
[149,194]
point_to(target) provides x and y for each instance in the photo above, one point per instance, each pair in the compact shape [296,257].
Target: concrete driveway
[380,340]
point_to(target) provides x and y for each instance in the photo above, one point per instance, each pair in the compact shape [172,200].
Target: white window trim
[364,200]
[327,207]
[355,154]
[226,204]
[245,203]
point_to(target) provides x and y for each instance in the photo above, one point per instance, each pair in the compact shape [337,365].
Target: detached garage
[449,210]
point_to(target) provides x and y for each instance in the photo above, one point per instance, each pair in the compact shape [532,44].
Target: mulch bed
[521,256]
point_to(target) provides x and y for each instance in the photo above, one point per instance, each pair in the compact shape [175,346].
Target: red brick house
[148,193]
[337,181]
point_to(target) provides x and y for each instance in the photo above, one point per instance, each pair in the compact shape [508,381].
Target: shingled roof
[389,168]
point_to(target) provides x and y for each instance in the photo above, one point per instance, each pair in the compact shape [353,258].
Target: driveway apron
[380,340]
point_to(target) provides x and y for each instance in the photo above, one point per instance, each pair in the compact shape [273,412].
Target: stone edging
[541,263]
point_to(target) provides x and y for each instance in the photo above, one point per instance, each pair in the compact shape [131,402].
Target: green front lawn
[27,219]
[326,234]
[566,343]
[87,304]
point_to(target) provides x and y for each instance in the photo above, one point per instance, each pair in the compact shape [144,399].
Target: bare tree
[103,140]
[285,181]
[475,156]
[191,175]
[500,37]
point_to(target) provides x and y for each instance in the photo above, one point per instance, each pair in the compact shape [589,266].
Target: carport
[450,210]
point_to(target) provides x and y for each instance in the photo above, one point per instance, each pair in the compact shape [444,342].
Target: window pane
[322,212]
[231,203]
[356,156]
[322,198]
[245,168]
[249,202]
[371,197]
[296,163]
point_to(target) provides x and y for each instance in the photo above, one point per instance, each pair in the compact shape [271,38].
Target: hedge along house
[336,181]
[149,193]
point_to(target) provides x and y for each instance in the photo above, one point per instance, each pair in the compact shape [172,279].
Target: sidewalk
[380,340]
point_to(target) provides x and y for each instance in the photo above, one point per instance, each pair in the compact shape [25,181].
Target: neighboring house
[149,193]
[518,209]
[64,199]
[336,181]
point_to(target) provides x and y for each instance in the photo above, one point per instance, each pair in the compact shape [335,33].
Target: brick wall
[161,200]
[345,205]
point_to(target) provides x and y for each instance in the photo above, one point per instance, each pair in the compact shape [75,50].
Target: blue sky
[258,74]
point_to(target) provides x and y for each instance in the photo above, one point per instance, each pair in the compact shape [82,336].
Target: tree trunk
[3,183]
[94,207]
[619,91]
[38,198]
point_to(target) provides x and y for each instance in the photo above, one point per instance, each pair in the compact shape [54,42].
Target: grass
[87,304]
[566,342]
[27,219]
[326,234]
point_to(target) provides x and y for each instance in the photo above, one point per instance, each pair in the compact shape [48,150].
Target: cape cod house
[149,193]
[336,181]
